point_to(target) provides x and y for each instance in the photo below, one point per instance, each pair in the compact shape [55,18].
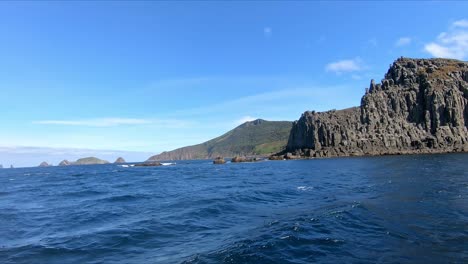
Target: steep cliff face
[421,106]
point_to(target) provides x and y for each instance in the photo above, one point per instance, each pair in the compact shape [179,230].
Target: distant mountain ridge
[258,137]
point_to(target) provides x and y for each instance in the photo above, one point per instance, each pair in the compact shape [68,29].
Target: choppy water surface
[348,210]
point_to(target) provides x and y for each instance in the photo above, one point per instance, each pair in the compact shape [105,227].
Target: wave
[127,166]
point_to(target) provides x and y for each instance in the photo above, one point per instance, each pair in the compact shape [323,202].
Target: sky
[137,78]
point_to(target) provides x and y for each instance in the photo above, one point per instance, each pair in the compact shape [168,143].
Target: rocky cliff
[421,106]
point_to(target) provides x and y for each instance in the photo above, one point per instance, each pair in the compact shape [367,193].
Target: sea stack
[44,164]
[119,160]
[64,163]
[421,106]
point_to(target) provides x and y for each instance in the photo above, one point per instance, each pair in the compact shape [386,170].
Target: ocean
[393,209]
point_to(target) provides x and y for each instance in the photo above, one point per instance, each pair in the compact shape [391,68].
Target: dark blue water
[399,209]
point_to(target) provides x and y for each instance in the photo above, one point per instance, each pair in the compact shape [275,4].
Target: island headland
[421,106]
[84,161]
[253,138]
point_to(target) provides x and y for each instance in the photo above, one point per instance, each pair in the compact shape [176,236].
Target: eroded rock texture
[420,107]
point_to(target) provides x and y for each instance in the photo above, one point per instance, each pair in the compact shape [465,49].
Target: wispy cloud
[285,103]
[96,122]
[403,41]
[451,44]
[267,32]
[112,122]
[373,42]
[356,77]
[244,119]
[348,65]
[460,23]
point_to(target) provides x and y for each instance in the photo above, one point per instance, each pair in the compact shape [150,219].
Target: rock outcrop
[238,159]
[148,164]
[44,164]
[421,106]
[64,163]
[119,160]
[219,160]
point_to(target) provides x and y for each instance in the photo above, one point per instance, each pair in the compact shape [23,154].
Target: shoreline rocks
[238,159]
[148,164]
[219,160]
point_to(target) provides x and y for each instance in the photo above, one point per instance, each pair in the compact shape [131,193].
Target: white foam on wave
[168,163]
[127,166]
[304,188]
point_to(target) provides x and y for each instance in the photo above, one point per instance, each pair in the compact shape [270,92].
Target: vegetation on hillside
[259,137]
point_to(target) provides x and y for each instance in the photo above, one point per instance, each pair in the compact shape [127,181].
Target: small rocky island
[44,164]
[421,106]
[148,164]
[219,160]
[64,163]
[119,160]
[84,161]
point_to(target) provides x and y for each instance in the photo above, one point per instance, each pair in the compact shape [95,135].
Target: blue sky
[152,76]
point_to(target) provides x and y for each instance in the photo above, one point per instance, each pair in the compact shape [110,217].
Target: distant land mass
[84,161]
[421,106]
[258,137]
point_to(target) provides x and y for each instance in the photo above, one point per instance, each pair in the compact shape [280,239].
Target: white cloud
[403,41]
[356,77]
[112,122]
[244,119]
[345,66]
[460,23]
[451,44]
[267,31]
[97,122]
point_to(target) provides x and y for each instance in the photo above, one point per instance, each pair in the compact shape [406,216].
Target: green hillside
[259,137]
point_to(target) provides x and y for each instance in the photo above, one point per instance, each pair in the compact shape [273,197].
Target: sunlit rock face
[419,107]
